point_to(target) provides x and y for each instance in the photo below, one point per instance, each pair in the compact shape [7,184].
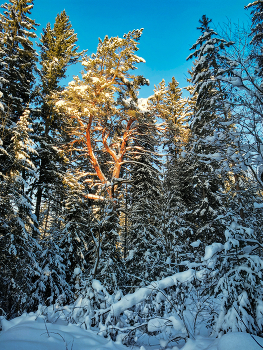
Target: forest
[122,210]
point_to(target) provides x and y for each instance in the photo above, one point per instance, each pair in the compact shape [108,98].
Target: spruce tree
[58,51]
[75,240]
[256,34]
[174,111]
[107,260]
[19,266]
[19,55]
[210,135]
[145,261]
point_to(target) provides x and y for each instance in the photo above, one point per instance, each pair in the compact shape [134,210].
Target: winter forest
[137,218]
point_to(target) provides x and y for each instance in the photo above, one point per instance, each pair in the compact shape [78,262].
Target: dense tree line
[97,183]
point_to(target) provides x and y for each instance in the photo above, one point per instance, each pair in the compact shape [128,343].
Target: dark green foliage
[108,266]
[75,241]
[18,252]
[256,34]
[57,51]
[145,259]
[209,137]
[19,55]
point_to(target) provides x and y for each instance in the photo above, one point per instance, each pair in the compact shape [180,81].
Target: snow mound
[31,332]
[240,341]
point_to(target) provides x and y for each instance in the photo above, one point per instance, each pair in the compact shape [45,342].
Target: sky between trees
[169,29]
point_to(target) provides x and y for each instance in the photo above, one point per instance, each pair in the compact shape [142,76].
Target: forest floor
[32,332]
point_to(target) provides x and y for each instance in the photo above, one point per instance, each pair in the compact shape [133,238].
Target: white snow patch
[212,249]
[258,205]
[196,243]
[30,332]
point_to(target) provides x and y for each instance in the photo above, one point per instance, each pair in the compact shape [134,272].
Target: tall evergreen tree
[17,31]
[58,51]
[75,240]
[257,34]
[18,58]
[210,134]
[174,110]
[107,260]
[146,245]
[19,266]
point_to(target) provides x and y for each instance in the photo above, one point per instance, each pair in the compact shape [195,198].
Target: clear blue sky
[169,28]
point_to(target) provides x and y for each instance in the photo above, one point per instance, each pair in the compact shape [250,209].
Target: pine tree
[174,111]
[50,286]
[104,112]
[221,216]
[236,269]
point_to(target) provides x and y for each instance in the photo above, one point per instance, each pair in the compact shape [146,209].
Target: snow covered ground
[32,332]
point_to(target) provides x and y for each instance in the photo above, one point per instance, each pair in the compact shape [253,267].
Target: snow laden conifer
[174,111]
[17,32]
[222,219]
[210,134]
[236,267]
[256,34]
[145,260]
[76,241]
[104,119]
[19,265]
[108,266]
[50,286]
[58,51]
[18,58]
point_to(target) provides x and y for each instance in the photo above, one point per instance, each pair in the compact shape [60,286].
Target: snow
[132,299]
[156,324]
[33,332]
[77,271]
[240,341]
[97,285]
[196,243]
[212,249]
[143,104]
[258,205]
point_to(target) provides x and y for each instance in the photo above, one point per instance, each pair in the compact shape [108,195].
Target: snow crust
[240,341]
[30,332]
[33,332]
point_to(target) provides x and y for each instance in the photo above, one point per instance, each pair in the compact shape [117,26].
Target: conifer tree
[58,51]
[19,266]
[18,58]
[174,111]
[256,34]
[107,260]
[210,134]
[19,55]
[145,260]
[238,264]
[222,219]
[75,240]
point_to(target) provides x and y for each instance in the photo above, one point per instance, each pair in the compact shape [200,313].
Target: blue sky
[169,28]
